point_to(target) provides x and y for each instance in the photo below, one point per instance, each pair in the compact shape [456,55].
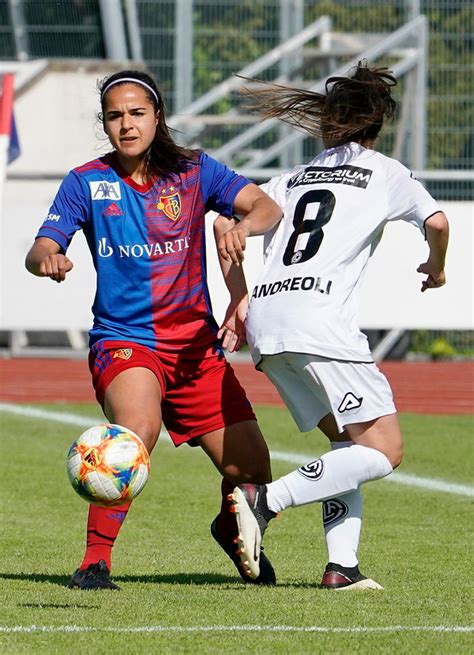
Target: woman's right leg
[133,400]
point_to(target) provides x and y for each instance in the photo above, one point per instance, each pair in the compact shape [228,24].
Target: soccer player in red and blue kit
[155,353]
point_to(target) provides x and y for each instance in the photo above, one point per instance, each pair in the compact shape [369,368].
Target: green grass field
[180,594]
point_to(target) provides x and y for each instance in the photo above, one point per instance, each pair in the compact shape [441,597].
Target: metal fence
[192,45]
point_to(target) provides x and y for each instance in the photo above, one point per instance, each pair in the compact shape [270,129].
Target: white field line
[235,628]
[299,459]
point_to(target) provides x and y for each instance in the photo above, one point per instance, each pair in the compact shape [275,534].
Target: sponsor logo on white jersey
[138,250]
[54,218]
[105,190]
[351,175]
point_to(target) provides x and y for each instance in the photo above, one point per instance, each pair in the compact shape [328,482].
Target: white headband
[134,80]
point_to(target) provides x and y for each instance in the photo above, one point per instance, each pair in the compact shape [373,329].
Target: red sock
[226,522]
[103,526]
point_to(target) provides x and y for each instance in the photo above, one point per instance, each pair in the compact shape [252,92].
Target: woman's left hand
[232,331]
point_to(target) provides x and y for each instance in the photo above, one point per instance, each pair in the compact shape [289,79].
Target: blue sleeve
[68,213]
[219,185]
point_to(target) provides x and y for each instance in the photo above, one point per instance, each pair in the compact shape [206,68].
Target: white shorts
[313,387]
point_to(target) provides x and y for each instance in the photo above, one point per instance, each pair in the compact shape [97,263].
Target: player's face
[129,120]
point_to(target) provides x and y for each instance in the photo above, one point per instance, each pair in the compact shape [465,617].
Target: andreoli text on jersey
[352,175]
[293,284]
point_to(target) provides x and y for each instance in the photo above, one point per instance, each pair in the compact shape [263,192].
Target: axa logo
[137,250]
[350,401]
[54,218]
[105,190]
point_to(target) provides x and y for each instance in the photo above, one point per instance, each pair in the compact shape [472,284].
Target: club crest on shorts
[170,203]
[334,510]
[313,470]
[350,401]
[123,353]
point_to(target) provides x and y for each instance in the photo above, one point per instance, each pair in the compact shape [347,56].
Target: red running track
[422,387]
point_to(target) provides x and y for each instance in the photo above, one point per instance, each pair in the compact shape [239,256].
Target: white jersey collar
[340,155]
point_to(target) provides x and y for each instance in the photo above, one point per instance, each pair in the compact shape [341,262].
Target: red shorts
[200,392]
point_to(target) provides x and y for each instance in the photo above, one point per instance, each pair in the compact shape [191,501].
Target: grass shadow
[169,578]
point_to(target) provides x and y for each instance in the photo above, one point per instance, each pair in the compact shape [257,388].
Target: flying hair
[353,108]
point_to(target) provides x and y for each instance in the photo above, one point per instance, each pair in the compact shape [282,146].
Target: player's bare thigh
[239,452]
[133,399]
[382,433]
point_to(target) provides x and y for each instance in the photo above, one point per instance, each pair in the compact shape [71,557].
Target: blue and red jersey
[148,247]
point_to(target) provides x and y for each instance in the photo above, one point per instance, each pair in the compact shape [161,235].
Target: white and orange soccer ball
[108,465]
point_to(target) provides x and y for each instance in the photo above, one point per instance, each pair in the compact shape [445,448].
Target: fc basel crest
[123,353]
[170,203]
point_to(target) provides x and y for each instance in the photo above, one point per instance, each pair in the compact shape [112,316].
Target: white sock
[334,474]
[342,522]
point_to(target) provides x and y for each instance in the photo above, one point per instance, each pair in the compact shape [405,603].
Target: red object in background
[420,387]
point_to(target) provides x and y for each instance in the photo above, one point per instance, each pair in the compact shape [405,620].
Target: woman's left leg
[240,454]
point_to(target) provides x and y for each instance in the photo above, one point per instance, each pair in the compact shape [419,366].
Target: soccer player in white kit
[302,320]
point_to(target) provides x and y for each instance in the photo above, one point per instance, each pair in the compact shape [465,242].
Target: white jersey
[335,209]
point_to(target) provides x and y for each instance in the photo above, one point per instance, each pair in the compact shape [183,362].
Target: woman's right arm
[44,259]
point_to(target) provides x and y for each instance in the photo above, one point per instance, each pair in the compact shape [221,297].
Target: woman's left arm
[232,330]
[259,214]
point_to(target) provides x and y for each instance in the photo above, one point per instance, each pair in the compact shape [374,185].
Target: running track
[423,387]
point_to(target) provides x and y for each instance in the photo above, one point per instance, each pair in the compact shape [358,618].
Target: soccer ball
[108,465]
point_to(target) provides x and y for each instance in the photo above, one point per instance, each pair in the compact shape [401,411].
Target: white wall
[58,130]
[56,122]
[390,297]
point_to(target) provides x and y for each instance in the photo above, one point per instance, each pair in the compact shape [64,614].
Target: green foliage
[176,582]
[228,35]
[442,344]
[441,349]
[352,17]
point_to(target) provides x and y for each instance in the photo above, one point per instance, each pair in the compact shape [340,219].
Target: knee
[393,452]
[396,456]
[147,431]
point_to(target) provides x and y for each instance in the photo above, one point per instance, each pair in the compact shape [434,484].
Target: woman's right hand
[56,267]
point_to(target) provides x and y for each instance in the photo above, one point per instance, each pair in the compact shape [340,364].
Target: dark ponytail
[352,109]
